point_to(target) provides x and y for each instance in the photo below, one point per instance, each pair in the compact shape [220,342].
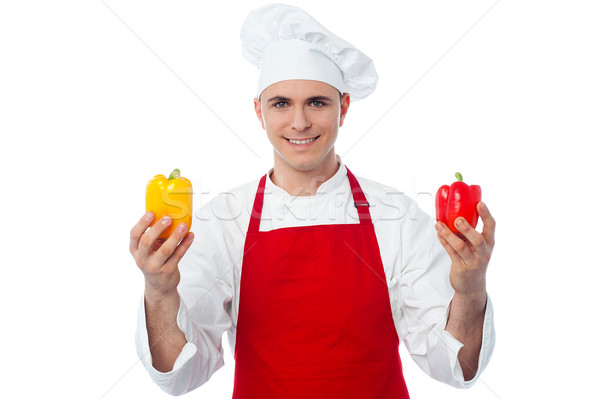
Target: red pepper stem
[458,176]
[175,174]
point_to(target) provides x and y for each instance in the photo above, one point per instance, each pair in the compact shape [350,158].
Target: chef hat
[286,43]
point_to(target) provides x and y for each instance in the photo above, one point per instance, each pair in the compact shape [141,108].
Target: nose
[300,120]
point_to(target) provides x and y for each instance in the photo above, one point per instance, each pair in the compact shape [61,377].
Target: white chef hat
[286,43]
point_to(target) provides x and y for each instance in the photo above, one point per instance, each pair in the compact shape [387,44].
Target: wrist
[468,306]
[159,299]
[474,299]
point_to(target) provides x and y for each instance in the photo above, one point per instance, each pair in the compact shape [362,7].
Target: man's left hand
[469,255]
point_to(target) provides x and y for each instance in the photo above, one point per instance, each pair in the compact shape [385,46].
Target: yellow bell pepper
[170,197]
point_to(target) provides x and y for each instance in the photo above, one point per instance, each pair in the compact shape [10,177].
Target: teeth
[302,141]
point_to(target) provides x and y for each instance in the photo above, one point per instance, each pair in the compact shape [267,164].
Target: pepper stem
[175,174]
[457,174]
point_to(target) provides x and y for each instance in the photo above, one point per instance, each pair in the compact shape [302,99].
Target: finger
[140,227]
[469,233]
[149,237]
[168,247]
[459,246]
[156,244]
[181,249]
[454,257]
[489,223]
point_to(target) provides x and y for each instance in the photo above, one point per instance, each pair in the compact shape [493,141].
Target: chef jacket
[416,268]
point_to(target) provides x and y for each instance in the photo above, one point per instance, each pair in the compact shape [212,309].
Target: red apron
[314,315]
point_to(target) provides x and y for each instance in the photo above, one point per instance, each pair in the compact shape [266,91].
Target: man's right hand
[158,259]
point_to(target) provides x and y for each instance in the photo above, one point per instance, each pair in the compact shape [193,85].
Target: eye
[280,104]
[317,103]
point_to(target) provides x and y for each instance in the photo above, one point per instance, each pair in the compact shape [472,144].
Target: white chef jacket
[415,263]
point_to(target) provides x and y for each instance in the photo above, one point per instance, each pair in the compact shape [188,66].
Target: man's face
[301,118]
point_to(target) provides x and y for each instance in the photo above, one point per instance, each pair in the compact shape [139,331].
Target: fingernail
[483,207]
[181,227]
[166,221]
[439,226]
[460,222]
[149,215]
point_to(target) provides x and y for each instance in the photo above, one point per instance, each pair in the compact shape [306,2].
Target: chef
[314,273]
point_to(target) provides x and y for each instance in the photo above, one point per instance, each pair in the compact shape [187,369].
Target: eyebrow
[278,98]
[320,98]
[314,98]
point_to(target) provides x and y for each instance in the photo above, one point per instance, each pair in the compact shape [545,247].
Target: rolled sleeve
[488,342]
[191,369]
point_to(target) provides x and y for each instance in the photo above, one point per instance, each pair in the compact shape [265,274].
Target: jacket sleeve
[205,293]
[422,295]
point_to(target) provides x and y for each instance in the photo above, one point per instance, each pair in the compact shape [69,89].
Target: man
[313,273]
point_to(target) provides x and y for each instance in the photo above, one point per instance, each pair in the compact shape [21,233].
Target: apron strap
[257,207]
[360,202]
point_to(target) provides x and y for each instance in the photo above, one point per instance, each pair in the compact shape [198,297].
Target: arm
[159,263]
[421,295]
[465,323]
[179,332]
[165,339]
[470,258]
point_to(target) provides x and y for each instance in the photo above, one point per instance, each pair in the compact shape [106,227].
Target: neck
[304,182]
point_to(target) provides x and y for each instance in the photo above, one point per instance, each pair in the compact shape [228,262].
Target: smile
[300,142]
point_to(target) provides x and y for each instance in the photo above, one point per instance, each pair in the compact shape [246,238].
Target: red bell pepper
[458,199]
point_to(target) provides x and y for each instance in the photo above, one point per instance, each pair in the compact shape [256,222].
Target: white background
[94,102]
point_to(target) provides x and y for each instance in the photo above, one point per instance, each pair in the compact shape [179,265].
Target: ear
[258,111]
[344,105]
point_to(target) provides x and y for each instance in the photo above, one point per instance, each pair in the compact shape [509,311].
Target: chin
[304,166]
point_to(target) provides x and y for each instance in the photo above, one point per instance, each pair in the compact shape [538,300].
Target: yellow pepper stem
[175,174]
